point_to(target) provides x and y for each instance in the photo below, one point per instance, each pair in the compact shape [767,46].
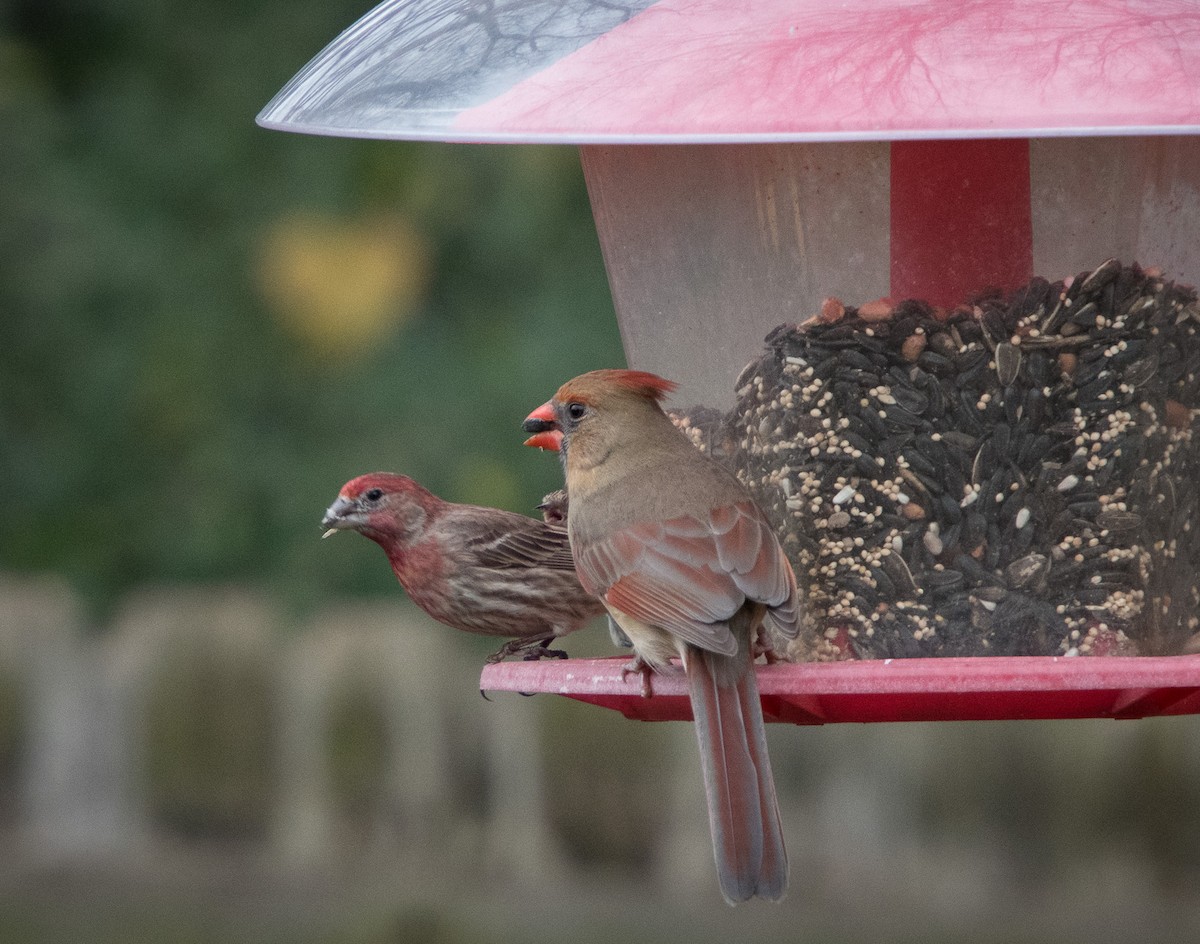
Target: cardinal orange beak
[544,426]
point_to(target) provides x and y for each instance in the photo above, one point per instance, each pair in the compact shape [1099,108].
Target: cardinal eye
[576,410]
[374,494]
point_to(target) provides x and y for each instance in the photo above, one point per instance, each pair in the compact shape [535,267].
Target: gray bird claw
[528,650]
[545,653]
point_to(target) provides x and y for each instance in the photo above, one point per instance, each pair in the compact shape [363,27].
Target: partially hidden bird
[689,567]
[554,509]
[480,570]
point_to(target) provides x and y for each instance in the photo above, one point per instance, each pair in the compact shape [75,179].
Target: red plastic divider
[961,219]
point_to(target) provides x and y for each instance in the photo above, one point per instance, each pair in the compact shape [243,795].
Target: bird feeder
[773,163]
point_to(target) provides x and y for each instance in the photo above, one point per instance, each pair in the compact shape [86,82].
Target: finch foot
[641,666]
[528,649]
[545,652]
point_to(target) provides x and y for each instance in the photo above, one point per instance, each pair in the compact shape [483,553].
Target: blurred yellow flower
[339,284]
[484,480]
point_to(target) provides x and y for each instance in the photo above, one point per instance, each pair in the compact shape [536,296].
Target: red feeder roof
[716,70]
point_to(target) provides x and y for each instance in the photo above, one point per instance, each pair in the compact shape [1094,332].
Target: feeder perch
[747,160]
[980,689]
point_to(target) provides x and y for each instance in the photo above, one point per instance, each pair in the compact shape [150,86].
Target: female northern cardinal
[688,567]
[481,570]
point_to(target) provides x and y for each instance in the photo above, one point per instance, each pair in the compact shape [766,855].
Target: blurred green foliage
[416,924]
[359,755]
[1152,807]
[589,756]
[14,723]
[209,748]
[172,406]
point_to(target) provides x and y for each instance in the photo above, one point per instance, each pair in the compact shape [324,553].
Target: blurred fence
[200,720]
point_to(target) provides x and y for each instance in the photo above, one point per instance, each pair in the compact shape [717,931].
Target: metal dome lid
[694,71]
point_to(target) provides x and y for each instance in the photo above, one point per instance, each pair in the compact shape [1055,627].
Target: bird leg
[641,666]
[765,647]
[528,649]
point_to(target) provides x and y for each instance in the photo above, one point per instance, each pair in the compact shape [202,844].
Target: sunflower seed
[1008,363]
[1024,570]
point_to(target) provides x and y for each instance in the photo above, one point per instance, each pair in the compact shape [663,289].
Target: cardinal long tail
[773,873]
[742,809]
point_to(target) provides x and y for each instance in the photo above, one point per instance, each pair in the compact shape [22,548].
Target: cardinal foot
[639,665]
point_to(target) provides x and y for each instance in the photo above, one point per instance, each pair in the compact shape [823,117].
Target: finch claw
[528,649]
[544,653]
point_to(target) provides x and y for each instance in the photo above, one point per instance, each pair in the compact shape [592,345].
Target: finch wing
[516,541]
[689,575]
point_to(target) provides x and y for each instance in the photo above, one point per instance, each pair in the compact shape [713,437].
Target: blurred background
[215,727]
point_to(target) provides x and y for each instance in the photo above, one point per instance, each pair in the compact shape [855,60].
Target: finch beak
[342,515]
[544,426]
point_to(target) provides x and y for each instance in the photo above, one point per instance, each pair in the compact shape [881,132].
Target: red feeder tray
[983,689]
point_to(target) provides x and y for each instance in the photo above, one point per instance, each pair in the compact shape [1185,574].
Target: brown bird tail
[742,809]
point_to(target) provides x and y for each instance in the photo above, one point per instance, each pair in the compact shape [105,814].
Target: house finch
[481,570]
[554,508]
[688,567]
